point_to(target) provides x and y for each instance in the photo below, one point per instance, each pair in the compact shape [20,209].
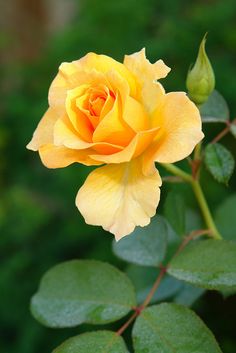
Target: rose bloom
[104,112]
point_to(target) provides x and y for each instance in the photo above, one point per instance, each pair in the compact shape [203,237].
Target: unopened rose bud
[201,79]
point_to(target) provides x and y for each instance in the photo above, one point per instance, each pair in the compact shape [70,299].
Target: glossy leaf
[193,220]
[215,110]
[172,328]
[220,162]
[188,294]
[233,129]
[174,210]
[143,279]
[145,246]
[209,264]
[80,291]
[99,342]
[225,218]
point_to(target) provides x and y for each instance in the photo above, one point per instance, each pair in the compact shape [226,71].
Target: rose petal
[135,115]
[104,64]
[119,197]
[139,143]
[59,156]
[112,129]
[70,76]
[44,131]
[79,120]
[180,129]
[152,94]
[65,135]
[142,69]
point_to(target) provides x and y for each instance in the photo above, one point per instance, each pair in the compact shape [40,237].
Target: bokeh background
[39,223]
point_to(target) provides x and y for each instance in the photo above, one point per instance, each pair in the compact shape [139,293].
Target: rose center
[95,105]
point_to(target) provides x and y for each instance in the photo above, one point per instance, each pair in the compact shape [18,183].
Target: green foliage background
[39,223]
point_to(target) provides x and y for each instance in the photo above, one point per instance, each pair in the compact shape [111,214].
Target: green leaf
[174,210]
[220,162]
[193,220]
[233,129]
[80,291]
[180,292]
[99,342]
[145,246]
[215,110]
[144,278]
[225,218]
[188,294]
[209,264]
[172,328]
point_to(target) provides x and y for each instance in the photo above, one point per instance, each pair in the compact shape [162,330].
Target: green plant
[93,292]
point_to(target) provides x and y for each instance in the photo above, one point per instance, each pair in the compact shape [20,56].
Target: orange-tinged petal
[142,69]
[104,64]
[112,129]
[139,143]
[180,129]
[78,119]
[135,115]
[44,131]
[60,156]
[119,197]
[105,148]
[107,106]
[70,76]
[65,135]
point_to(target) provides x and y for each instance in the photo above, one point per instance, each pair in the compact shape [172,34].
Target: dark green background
[39,223]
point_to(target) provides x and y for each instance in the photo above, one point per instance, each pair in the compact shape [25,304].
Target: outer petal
[104,64]
[135,115]
[70,76]
[152,94]
[44,131]
[66,136]
[60,156]
[139,143]
[119,197]
[181,129]
[142,69]
[89,68]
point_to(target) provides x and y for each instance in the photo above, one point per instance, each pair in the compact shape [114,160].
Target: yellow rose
[104,112]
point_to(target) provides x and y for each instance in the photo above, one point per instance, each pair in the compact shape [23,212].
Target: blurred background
[39,223]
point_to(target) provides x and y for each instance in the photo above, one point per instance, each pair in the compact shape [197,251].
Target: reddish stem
[222,133]
[127,323]
[163,270]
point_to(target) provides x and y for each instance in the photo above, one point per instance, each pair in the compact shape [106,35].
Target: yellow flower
[104,112]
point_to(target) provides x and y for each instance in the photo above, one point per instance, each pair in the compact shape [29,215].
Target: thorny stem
[163,270]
